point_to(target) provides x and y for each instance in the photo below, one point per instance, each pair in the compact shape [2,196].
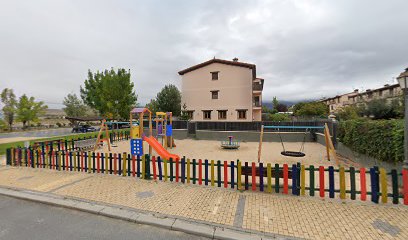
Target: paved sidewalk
[303,217]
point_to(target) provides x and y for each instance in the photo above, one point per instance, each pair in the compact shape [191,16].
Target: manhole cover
[145,194]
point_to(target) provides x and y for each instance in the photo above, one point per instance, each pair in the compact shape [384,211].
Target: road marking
[239,213]
[68,184]
[217,205]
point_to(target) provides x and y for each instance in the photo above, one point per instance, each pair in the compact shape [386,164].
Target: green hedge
[380,139]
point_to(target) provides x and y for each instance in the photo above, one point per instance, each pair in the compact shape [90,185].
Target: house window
[207,114]
[380,93]
[242,114]
[189,114]
[222,114]
[214,75]
[214,94]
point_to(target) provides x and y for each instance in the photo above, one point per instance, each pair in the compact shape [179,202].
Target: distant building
[222,90]
[387,92]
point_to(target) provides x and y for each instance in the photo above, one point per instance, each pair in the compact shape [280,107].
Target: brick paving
[304,217]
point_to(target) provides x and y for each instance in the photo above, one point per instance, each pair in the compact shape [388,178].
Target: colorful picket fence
[296,179]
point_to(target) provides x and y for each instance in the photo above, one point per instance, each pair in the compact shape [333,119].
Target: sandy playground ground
[248,151]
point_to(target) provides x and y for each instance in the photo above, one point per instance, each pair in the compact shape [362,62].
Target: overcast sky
[304,49]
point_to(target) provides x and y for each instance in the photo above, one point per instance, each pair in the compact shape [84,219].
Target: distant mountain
[268,103]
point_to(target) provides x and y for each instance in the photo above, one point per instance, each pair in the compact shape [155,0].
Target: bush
[311,109]
[348,113]
[380,139]
[380,109]
[277,117]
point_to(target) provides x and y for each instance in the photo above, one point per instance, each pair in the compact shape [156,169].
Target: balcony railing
[257,104]
[257,86]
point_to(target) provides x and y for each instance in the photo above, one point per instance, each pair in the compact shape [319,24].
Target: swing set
[328,142]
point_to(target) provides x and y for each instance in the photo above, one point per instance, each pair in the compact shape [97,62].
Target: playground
[211,150]
[149,150]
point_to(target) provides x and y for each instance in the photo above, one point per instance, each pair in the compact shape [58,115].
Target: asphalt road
[39,133]
[20,219]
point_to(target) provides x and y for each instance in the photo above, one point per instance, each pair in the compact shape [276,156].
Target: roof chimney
[235,59]
[386,85]
[356,90]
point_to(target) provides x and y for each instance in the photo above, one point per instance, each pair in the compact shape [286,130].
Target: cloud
[303,49]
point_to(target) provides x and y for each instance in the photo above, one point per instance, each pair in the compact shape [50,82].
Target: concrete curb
[158,220]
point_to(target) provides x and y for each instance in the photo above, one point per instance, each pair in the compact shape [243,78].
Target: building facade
[387,92]
[222,90]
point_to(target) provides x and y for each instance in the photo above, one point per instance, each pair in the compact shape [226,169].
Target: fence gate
[191,127]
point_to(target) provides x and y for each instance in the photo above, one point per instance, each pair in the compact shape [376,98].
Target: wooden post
[103,128]
[329,144]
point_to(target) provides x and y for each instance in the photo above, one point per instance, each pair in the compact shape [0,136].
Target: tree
[152,106]
[278,117]
[184,113]
[311,109]
[380,109]
[110,92]
[282,107]
[74,107]
[275,103]
[169,100]
[9,109]
[2,124]
[28,110]
[348,113]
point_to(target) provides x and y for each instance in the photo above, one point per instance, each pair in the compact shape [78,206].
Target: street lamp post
[402,80]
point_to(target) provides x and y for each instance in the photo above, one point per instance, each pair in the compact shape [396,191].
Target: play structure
[137,135]
[164,128]
[300,153]
[230,144]
[103,138]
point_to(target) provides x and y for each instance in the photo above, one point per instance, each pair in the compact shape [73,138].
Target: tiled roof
[215,60]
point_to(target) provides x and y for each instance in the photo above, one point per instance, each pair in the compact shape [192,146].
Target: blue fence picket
[183,170]
[232,167]
[261,183]
[206,172]
[331,182]
[374,184]
[294,179]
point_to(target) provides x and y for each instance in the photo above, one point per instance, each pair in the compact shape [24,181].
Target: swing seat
[293,154]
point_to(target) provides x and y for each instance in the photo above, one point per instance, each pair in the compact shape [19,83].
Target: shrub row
[380,139]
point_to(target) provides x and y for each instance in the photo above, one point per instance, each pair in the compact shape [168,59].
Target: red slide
[159,148]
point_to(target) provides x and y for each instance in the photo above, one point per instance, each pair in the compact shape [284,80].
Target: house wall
[235,91]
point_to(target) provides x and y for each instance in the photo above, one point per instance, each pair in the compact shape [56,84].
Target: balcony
[257,86]
[256,105]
